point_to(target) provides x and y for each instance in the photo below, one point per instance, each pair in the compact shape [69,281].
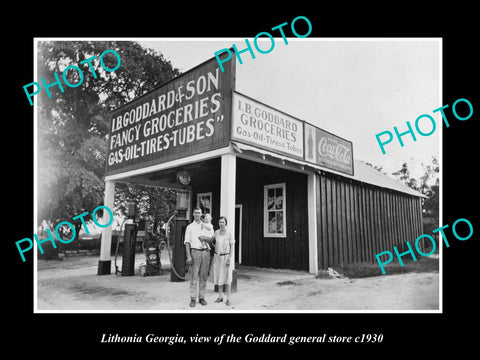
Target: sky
[354,88]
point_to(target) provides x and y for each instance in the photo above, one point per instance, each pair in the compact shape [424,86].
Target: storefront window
[274,224]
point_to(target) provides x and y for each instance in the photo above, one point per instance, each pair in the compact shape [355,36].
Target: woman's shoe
[228,303]
[219,300]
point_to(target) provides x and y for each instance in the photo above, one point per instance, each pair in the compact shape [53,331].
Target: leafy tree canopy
[427,184]
[73,124]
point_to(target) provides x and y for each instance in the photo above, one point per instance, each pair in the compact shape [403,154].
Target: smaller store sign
[262,126]
[328,150]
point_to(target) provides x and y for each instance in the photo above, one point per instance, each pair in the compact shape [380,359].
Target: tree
[156,203]
[404,176]
[376,167]
[73,124]
[428,185]
[430,177]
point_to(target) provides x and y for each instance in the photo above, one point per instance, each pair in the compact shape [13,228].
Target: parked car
[93,241]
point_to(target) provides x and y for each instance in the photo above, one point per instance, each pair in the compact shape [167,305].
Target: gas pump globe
[131,208]
[131,203]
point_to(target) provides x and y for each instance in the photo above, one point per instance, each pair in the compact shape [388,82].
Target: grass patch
[362,270]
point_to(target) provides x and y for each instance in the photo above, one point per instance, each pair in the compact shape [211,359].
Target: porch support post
[312,223]
[104,264]
[228,179]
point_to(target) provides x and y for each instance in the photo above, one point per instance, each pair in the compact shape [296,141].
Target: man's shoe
[192,303]
[202,301]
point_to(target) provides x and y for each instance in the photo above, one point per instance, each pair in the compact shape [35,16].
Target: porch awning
[362,172]
[271,157]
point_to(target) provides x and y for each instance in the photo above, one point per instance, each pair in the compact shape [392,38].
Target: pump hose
[116,250]
[169,251]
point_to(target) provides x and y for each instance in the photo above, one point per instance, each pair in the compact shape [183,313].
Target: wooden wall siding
[290,252]
[356,221]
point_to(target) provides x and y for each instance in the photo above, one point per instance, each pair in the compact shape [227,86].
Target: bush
[49,252]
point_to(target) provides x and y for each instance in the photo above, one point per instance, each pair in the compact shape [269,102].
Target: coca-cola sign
[328,150]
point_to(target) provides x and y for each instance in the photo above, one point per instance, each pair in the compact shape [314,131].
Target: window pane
[279,220]
[271,199]
[271,192]
[274,208]
[279,191]
[279,202]
[271,222]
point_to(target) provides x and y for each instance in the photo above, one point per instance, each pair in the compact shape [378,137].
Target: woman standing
[222,267]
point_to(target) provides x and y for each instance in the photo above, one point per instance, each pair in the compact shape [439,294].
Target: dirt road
[73,285]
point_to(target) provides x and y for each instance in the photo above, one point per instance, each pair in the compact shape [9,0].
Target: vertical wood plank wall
[356,221]
[290,252]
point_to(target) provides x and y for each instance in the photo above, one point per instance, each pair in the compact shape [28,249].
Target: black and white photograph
[183,182]
[319,175]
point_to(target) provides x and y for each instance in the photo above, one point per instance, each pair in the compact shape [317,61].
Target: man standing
[198,258]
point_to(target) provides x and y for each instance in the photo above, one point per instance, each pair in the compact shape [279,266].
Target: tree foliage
[73,125]
[404,176]
[430,187]
[157,204]
[427,184]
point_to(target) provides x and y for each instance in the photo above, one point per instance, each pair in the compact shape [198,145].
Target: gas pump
[130,239]
[177,236]
[151,249]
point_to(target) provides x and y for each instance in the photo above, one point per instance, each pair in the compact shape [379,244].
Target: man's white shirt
[192,233]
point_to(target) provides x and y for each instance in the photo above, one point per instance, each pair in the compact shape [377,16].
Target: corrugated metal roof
[362,172]
[369,175]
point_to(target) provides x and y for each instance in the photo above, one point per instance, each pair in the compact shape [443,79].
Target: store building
[293,194]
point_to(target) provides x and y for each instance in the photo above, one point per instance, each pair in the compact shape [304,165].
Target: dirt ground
[72,285]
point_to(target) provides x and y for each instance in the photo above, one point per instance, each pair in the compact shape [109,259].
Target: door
[238,234]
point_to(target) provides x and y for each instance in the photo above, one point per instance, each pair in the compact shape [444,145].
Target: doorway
[238,233]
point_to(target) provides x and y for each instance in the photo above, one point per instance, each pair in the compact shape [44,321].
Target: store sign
[188,115]
[328,150]
[262,126]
